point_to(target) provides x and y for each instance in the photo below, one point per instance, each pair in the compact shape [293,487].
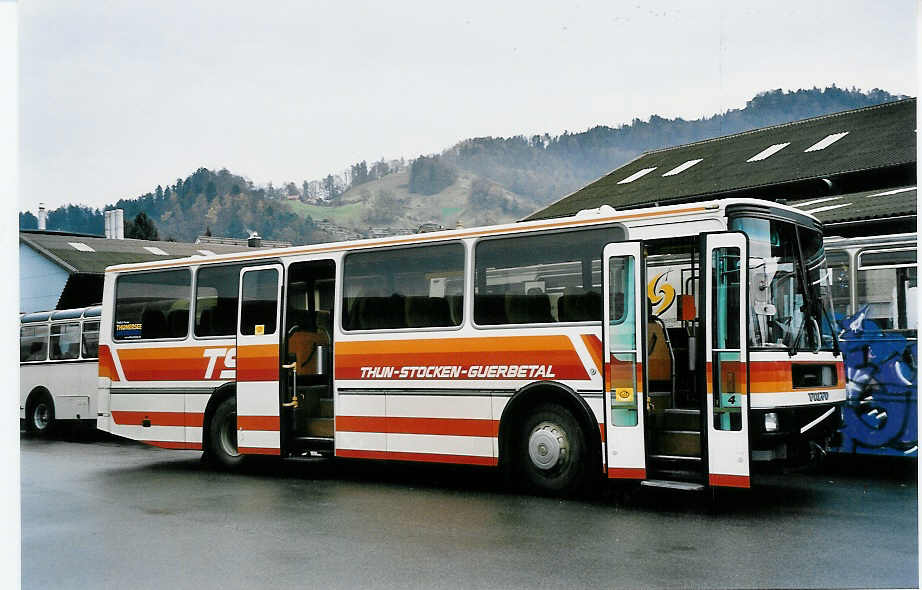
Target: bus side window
[887,284]
[145,302]
[539,279]
[90,340]
[65,341]
[411,287]
[33,343]
[216,300]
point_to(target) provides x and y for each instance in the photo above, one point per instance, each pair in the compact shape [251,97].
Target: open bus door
[724,261]
[258,423]
[623,392]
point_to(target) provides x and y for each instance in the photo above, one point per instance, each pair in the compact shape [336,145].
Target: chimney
[119,224]
[254,241]
[42,216]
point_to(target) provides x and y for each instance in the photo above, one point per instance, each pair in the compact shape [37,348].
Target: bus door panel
[623,390]
[258,424]
[725,271]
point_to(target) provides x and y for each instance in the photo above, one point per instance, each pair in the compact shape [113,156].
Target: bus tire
[40,413]
[550,451]
[222,435]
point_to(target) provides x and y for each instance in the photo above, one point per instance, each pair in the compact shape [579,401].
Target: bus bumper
[794,436]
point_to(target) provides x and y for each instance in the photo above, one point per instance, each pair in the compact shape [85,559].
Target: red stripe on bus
[126,418]
[258,362]
[602,431]
[530,357]
[402,425]
[594,346]
[258,451]
[166,444]
[424,457]
[106,364]
[258,422]
[627,473]
[728,481]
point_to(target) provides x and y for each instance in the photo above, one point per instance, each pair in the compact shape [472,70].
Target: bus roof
[94,311]
[602,215]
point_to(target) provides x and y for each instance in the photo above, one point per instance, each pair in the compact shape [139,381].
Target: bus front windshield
[790,305]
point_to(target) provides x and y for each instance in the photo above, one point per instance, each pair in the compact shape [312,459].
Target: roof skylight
[682,167]
[769,151]
[893,192]
[81,246]
[828,208]
[815,202]
[637,175]
[826,142]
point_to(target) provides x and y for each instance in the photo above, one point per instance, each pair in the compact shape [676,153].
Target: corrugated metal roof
[871,138]
[104,252]
[854,207]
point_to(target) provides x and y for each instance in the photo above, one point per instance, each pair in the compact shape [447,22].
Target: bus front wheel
[551,451]
[222,435]
[40,414]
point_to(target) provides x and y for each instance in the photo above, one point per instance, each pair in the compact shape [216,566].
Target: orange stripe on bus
[455,345]
[258,362]
[424,457]
[594,346]
[106,363]
[403,425]
[258,422]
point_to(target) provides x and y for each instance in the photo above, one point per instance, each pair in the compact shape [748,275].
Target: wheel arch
[217,396]
[539,392]
[37,391]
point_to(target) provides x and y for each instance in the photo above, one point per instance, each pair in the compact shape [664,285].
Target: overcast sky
[117,97]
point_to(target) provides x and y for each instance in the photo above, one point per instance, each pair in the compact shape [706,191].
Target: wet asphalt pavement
[98,512]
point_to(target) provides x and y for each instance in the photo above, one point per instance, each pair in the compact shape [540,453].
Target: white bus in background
[58,367]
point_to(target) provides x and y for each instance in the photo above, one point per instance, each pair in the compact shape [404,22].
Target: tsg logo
[229,359]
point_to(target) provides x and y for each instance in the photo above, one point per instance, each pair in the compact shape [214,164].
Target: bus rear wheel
[40,414]
[551,451]
[222,435]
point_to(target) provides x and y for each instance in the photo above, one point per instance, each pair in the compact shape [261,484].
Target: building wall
[40,281]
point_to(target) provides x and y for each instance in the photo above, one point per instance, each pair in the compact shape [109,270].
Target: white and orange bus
[486,347]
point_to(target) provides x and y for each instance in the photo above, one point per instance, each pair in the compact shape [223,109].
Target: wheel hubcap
[228,437]
[548,446]
[41,416]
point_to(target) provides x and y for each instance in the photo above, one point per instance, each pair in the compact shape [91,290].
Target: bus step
[685,443]
[313,443]
[677,473]
[685,486]
[679,419]
[320,427]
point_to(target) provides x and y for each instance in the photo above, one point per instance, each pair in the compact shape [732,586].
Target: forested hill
[480,180]
[220,202]
[549,168]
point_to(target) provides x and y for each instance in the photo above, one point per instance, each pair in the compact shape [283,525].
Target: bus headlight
[771,422]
